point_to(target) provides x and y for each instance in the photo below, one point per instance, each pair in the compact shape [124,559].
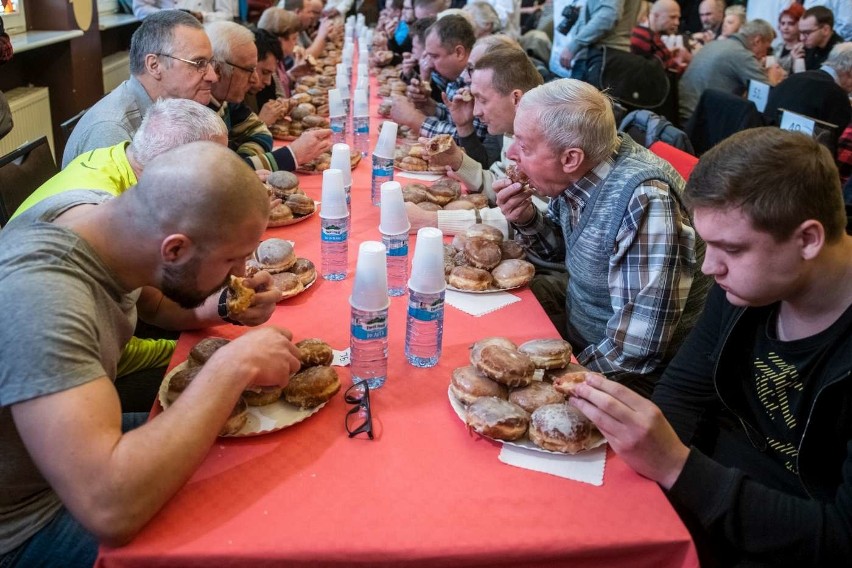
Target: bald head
[202,190]
[664,17]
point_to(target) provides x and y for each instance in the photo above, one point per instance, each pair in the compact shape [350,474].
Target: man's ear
[153,66]
[516,97]
[811,237]
[572,160]
[176,248]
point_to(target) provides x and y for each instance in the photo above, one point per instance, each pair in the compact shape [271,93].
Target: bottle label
[335,233]
[401,250]
[426,311]
[375,327]
[379,171]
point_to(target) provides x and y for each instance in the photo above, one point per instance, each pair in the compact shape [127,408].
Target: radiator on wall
[116,69]
[31,115]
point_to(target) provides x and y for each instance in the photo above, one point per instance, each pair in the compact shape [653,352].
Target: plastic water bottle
[368,326]
[382,172]
[334,227]
[424,325]
[397,246]
[361,123]
[424,328]
[337,117]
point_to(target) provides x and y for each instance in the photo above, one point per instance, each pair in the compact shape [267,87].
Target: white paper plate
[261,419]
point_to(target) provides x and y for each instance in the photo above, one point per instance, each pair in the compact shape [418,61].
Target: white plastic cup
[770,61]
[340,161]
[370,288]
[361,106]
[798,65]
[387,140]
[333,204]
[335,103]
[393,219]
[427,266]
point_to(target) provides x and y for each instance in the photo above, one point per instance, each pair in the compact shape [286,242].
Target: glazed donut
[439,144]
[454,186]
[282,183]
[459,204]
[516,175]
[506,366]
[314,352]
[560,428]
[180,380]
[552,374]
[501,341]
[497,418]
[467,385]
[535,395]
[275,255]
[478,200]
[547,353]
[566,382]
[469,278]
[305,270]
[512,273]
[486,232]
[414,192]
[441,194]
[261,396]
[288,284]
[311,387]
[204,349]
[236,420]
[279,215]
[458,241]
[300,204]
[512,249]
[482,253]
[239,295]
[429,206]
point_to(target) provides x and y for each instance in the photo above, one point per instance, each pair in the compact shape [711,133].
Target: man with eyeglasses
[236,62]
[816,30]
[170,58]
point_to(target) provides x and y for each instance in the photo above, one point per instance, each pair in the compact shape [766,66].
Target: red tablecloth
[425,492]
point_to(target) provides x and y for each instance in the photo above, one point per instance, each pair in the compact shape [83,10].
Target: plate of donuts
[517,395]
[262,410]
[480,261]
[291,274]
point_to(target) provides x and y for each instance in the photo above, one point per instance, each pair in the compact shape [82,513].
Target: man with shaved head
[76,270]
[663,19]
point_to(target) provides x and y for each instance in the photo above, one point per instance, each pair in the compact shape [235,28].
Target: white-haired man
[632,286]
[236,58]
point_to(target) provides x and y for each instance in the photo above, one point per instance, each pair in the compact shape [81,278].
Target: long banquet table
[425,492]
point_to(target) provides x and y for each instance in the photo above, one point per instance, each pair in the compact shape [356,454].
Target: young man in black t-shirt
[752,438]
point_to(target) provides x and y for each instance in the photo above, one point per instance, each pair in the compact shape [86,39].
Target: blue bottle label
[398,251]
[379,171]
[334,233]
[426,311]
[362,129]
[374,328]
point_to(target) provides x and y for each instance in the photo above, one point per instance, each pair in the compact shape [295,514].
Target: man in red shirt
[664,18]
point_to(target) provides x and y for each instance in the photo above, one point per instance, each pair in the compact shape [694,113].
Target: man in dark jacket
[752,439]
[816,30]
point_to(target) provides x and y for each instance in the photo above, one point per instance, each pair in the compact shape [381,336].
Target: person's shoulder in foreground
[752,439]
[183,230]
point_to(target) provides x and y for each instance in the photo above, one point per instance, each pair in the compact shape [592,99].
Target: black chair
[718,115]
[22,171]
[68,126]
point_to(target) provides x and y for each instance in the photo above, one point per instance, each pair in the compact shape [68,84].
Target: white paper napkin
[417,176]
[341,358]
[587,466]
[479,304]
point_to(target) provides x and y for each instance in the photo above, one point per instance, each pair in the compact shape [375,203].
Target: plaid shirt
[645,42]
[844,154]
[648,277]
[441,122]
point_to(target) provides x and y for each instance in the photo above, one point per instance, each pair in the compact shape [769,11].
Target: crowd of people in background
[716,310]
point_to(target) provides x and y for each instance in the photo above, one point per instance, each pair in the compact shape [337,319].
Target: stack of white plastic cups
[340,160]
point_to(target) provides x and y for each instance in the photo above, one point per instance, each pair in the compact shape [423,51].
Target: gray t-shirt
[64,322]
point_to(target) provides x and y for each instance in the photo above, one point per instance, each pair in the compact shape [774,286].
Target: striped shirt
[645,42]
[249,137]
[441,122]
[650,271]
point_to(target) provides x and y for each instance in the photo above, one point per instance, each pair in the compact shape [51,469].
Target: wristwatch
[223,309]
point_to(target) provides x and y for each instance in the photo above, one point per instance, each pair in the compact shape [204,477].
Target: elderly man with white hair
[632,288]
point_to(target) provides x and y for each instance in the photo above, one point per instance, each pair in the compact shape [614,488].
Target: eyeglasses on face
[359,418]
[201,65]
[249,70]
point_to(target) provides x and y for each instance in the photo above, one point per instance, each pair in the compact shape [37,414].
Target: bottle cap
[370,288]
[387,140]
[340,161]
[361,106]
[393,219]
[335,103]
[333,204]
[427,266]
